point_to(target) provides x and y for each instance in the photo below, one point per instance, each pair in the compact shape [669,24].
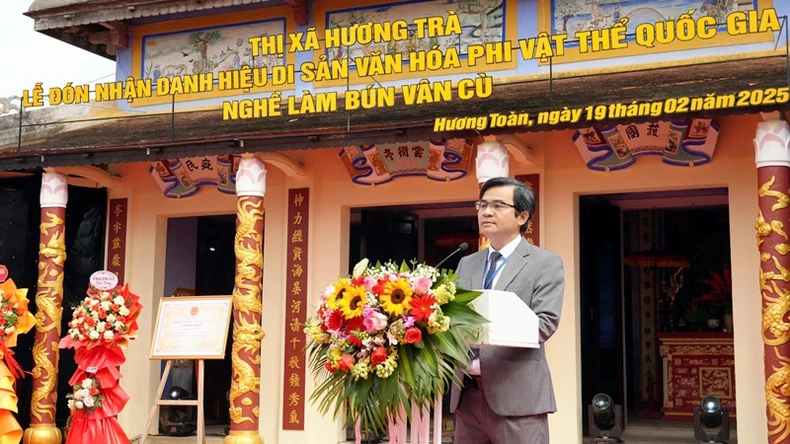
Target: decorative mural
[482,21]
[184,177]
[681,143]
[572,16]
[583,15]
[441,160]
[206,50]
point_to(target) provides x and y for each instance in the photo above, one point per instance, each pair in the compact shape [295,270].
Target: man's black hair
[523,196]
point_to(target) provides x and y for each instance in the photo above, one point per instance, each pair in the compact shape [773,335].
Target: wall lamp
[711,421]
[605,420]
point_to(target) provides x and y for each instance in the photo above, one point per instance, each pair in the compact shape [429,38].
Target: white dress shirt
[506,251]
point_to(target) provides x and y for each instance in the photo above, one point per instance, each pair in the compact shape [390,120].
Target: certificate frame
[191,302]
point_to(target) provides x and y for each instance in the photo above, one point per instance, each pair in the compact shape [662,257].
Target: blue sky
[29,56]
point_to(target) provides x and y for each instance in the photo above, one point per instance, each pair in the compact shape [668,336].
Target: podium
[511,322]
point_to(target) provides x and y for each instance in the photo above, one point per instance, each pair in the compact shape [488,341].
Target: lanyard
[487,284]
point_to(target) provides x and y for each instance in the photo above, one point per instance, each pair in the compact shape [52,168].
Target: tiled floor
[640,432]
[645,431]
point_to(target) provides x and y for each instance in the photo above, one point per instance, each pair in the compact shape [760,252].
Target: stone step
[163,439]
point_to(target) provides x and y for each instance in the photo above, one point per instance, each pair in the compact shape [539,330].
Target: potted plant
[719,298]
[696,315]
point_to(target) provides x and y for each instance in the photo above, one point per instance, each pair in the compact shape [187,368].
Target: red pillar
[245,382]
[773,227]
[49,299]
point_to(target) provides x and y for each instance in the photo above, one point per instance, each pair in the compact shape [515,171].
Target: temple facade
[250,169]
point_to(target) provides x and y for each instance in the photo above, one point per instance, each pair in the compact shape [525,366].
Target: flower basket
[15,319]
[386,341]
[101,326]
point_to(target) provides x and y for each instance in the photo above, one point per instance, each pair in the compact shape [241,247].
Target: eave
[101,26]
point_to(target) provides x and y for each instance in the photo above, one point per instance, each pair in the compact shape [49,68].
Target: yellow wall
[563,177]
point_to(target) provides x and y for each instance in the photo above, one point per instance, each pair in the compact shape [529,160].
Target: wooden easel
[189,306]
[201,422]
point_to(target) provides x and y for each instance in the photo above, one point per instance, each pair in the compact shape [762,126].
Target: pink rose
[375,322]
[370,283]
[327,292]
[422,285]
[345,362]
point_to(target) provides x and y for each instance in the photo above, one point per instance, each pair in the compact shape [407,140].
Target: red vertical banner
[533,231]
[116,241]
[295,305]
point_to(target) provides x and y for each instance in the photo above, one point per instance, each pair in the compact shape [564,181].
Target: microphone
[461,247]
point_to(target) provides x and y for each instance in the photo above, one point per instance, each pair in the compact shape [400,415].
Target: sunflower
[354,300]
[341,287]
[396,297]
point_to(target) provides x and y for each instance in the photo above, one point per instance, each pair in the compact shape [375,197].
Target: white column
[492,161]
[251,178]
[54,190]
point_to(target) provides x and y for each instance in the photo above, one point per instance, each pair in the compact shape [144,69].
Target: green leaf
[463,296]
[444,343]
[461,314]
[407,365]
[429,357]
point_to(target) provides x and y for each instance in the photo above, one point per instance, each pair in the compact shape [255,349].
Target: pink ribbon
[358,431]
[437,420]
[398,427]
[420,425]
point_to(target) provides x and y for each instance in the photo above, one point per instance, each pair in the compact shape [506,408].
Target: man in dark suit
[509,393]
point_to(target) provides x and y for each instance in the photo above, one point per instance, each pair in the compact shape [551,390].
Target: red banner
[295,306]
[533,231]
[116,245]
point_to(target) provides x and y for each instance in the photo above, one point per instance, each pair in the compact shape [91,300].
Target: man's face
[500,223]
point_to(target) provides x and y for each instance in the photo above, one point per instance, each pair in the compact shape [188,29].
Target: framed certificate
[194,327]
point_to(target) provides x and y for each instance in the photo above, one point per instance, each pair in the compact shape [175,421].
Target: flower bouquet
[15,319]
[389,337]
[101,326]
[85,396]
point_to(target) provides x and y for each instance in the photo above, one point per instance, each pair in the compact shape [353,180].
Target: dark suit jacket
[516,381]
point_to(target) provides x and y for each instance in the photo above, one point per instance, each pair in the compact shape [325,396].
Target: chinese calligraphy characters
[296,298]
[116,245]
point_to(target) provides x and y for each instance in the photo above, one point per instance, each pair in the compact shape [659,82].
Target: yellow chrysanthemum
[396,297]
[354,300]
[341,287]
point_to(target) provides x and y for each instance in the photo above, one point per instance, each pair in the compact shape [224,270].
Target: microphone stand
[461,247]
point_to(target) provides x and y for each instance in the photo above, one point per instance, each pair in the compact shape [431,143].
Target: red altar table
[696,365]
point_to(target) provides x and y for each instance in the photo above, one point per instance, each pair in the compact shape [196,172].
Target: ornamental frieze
[686,143]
